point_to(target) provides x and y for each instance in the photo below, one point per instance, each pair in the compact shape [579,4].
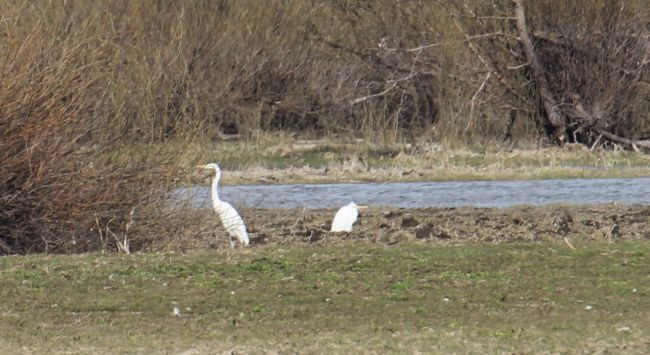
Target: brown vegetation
[57,115]
[563,224]
[582,70]
[83,78]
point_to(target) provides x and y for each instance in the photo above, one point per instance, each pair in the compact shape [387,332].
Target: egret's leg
[232,243]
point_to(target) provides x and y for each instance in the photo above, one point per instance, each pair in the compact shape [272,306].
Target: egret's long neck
[215,192]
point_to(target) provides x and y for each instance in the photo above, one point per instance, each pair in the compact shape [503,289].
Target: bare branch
[500,78]
[394,82]
[600,136]
[446,43]
[496,18]
[364,98]
[487,77]
[517,67]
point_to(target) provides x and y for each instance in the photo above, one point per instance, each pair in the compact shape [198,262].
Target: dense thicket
[83,79]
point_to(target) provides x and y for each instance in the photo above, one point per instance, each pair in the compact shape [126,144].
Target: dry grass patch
[286,160]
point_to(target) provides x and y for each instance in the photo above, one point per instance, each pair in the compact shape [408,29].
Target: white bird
[229,217]
[345,217]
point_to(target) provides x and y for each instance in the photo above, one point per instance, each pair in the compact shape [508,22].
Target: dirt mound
[426,225]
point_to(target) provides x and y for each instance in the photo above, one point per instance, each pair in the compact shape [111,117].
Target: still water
[428,194]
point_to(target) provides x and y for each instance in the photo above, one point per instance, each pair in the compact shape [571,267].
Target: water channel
[428,194]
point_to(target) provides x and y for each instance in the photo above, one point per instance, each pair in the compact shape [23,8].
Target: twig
[446,43]
[487,77]
[569,244]
[500,78]
[394,82]
[495,18]
[408,77]
[471,46]
[473,101]
[596,142]
[125,244]
[364,98]
[517,67]
[122,245]
[101,235]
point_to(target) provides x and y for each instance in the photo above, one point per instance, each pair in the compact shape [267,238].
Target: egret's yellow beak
[362,207]
[201,166]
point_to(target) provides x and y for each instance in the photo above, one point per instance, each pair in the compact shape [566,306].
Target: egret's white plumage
[345,217]
[229,217]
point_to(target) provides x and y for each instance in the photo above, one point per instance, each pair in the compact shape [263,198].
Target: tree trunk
[553,115]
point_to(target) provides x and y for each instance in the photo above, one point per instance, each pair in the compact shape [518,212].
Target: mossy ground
[517,297]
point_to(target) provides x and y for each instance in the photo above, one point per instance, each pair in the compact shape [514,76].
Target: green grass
[511,297]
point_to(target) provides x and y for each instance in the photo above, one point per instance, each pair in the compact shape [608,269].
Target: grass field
[350,298]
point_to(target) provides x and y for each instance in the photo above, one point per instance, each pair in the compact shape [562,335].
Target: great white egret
[345,217]
[229,217]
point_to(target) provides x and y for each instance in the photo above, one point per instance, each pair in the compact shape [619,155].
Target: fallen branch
[590,122]
[614,138]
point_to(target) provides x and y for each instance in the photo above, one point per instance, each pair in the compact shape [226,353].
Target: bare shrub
[53,195]
[597,58]
[594,56]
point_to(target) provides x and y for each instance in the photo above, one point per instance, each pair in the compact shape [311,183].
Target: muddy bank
[391,226]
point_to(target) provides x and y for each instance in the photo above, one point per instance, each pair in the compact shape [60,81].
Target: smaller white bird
[345,217]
